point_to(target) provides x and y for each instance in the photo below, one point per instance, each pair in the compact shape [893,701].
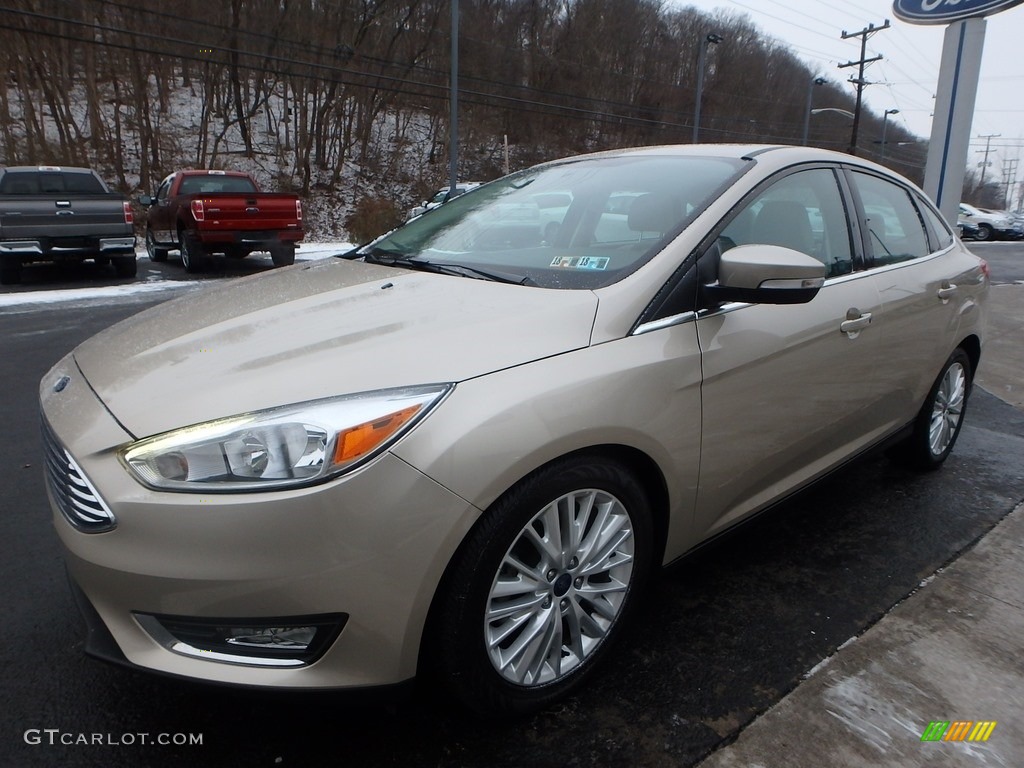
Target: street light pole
[714,39]
[810,97]
[885,123]
[453,127]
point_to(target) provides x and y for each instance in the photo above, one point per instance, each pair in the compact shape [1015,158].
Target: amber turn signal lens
[361,439]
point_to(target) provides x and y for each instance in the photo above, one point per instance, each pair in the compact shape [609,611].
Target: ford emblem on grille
[61,384]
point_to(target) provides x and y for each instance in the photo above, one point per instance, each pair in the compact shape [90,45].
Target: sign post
[950,141]
[958,85]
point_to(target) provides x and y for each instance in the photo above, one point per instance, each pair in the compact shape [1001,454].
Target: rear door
[926,285]
[789,391]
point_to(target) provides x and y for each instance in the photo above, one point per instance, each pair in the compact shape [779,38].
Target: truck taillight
[298,210]
[197,210]
[129,217]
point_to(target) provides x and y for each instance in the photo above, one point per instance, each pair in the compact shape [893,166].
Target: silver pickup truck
[50,213]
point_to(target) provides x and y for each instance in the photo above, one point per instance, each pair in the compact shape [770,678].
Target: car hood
[316,330]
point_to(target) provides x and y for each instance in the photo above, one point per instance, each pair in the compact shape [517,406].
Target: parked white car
[992,225]
[441,197]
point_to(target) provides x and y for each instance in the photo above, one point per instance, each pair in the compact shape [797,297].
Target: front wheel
[985,232]
[543,585]
[156,252]
[938,423]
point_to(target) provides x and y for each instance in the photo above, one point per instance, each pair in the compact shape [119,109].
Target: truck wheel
[283,254]
[192,255]
[10,272]
[156,253]
[126,266]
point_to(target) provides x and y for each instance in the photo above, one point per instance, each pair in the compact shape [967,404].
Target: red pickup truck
[200,213]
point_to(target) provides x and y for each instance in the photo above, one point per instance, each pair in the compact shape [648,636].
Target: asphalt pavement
[939,680]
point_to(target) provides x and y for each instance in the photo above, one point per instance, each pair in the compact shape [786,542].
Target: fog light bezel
[208,638]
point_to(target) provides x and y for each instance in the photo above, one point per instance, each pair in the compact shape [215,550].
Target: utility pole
[860,82]
[1009,178]
[987,151]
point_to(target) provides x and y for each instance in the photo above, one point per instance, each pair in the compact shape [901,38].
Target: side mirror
[146,200]
[767,274]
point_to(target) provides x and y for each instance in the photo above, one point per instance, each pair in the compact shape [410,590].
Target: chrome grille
[74,495]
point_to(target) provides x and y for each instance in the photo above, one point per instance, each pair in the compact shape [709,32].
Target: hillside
[347,102]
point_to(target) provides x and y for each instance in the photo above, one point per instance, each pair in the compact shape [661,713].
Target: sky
[906,77]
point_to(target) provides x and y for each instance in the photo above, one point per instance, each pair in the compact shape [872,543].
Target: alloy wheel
[560,587]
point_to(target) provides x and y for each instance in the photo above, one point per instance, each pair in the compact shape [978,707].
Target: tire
[192,255]
[126,266]
[564,595]
[283,254]
[10,271]
[938,423]
[984,232]
[156,252]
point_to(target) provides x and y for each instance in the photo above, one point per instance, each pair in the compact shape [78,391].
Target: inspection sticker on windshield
[580,262]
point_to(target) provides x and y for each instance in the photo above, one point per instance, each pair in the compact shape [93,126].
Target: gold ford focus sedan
[466,446]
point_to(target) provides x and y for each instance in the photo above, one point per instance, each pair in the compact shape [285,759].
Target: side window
[165,186]
[895,230]
[803,211]
[940,232]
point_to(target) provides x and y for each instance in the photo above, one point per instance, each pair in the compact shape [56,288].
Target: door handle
[946,291]
[855,322]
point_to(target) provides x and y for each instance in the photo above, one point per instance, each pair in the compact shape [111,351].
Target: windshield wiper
[394,259]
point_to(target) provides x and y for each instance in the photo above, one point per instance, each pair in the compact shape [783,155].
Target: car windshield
[576,224]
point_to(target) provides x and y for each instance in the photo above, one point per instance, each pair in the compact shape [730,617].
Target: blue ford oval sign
[947,11]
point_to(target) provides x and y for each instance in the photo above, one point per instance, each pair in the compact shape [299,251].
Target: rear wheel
[126,266]
[938,423]
[192,254]
[543,585]
[10,271]
[283,254]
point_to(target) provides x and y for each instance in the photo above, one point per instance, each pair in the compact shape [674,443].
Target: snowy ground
[114,293]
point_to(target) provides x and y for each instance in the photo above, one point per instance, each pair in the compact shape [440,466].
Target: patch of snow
[113,293]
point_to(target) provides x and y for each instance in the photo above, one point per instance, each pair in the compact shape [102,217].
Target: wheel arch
[640,464]
[972,346]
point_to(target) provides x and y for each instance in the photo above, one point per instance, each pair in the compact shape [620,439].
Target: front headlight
[282,447]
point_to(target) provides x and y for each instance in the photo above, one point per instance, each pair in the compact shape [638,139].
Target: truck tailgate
[78,216]
[263,211]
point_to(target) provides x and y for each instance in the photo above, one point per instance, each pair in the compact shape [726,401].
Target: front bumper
[371,546]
